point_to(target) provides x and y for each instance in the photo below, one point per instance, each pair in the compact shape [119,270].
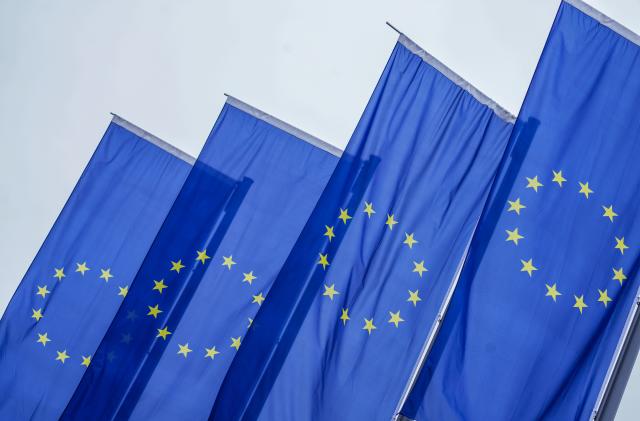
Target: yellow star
[409,240]
[176,266]
[344,215]
[533,183]
[258,299]
[345,316]
[414,297]
[368,325]
[584,189]
[62,356]
[163,333]
[515,206]
[368,209]
[395,318]
[620,245]
[323,261]
[211,352]
[419,267]
[330,291]
[618,275]
[184,349]
[604,297]
[609,213]
[154,311]
[59,273]
[82,268]
[235,343]
[202,256]
[558,178]
[390,221]
[552,292]
[514,236]
[527,266]
[329,232]
[86,361]
[106,274]
[43,338]
[579,303]
[123,290]
[37,314]
[228,261]
[159,286]
[248,277]
[42,291]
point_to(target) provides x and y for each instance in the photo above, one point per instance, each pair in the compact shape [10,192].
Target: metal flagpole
[433,332]
[437,324]
[435,327]
[615,375]
[618,372]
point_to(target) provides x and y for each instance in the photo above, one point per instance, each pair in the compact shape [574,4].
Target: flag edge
[458,80]
[162,144]
[286,127]
[605,20]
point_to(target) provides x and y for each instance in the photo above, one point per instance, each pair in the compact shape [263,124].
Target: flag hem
[456,79]
[605,20]
[268,118]
[140,132]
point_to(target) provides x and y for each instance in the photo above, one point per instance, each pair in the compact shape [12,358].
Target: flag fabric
[552,270]
[80,275]
[346,318]
[208,271]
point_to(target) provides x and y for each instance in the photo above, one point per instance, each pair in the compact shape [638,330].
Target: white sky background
[164,65]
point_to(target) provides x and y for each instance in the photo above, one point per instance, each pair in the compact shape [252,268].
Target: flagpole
[615,374]
[394,28]
[435,327]
[433,332]
[437,324]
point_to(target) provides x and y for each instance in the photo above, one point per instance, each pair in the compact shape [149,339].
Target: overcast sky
[165,65]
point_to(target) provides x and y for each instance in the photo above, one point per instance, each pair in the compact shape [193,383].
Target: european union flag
[352,306]
[552,271]
[80,276]
[208,271]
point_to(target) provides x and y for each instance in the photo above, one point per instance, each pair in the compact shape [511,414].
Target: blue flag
[208,271]
[348,314]
[552,271]
[79,277]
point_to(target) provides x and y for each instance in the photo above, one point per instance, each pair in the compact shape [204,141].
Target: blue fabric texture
[346,318]
[71,291]
[206,274]
[552,271]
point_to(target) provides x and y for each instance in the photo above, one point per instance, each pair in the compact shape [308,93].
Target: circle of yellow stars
[409,240]
[43,292]
[514,236]
[152,311]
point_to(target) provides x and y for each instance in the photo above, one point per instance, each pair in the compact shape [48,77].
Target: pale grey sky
[165,65]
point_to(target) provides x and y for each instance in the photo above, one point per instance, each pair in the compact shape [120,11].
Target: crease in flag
[551,275]
[207,272]
[80,275]
[350,309]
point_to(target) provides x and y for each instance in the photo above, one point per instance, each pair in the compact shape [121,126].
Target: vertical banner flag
[208,271]
[81,274]
[352,306]
[551,273]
